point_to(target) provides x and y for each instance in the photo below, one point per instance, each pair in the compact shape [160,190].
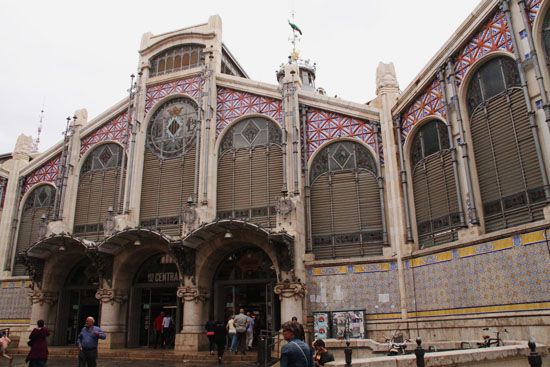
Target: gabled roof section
[231,64]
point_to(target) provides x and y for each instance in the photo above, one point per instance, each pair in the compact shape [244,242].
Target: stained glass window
[342,156]
[41,197]
[430,139]
[173,127]
[250,133]
[176,59]
[104,157]
[491,79]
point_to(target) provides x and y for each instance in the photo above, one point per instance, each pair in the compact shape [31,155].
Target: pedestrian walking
[295,353]
[4,342]
[167,324]
[87,343]
[220,335]
[231,334]
[250,331]
[38,355]
[241,324]
[301,332]
[210,333]
[157,324]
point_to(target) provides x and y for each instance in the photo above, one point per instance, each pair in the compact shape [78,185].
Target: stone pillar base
[470,233]
[191,342]
[115,340]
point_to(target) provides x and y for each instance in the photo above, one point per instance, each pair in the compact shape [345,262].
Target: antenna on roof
[36,141]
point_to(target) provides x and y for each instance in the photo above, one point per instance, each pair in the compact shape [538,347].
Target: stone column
[291,293]
[8,224]
[191,336]
[113,316]
[42,308]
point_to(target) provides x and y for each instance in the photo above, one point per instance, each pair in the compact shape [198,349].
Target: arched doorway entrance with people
[154,293]
[245,279]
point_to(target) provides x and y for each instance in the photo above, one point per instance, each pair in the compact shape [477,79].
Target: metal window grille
[510,181]
[250,172]
[346,212]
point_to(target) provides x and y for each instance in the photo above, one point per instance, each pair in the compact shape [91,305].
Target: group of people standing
[237,335]
[164,331]
[86,341]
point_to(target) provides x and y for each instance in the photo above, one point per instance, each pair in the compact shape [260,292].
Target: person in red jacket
[158,329]
[38,355]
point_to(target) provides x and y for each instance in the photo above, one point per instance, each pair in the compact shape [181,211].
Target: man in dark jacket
[38,355]
[295,353]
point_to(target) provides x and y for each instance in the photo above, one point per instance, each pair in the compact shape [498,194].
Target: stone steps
[147,354]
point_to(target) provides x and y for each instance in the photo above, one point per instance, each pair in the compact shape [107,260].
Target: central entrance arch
[245,279]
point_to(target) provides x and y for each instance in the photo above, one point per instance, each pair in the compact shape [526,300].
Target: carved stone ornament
[112,296]
[283,244]
[189,215]
[34,267]
[37,296]
[103,263]
[284,206]
[288,289]
[185,258]
[192,294]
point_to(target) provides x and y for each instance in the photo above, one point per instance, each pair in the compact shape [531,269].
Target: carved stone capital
[112,296]
[288,289]
[192,294]
[37,296]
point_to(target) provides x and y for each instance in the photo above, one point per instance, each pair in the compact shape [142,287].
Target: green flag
[295,27]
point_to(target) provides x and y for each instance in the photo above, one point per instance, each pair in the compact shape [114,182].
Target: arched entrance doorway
[77,302]
[154,291]
[245,278]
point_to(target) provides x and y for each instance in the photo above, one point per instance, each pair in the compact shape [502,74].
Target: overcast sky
[75,54]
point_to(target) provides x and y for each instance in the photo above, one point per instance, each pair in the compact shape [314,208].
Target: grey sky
[75,54]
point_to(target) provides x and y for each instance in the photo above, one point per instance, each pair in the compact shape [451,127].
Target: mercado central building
[425,210]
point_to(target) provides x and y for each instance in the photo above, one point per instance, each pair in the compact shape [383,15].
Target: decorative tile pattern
[14,303]
[323,126]
[508,274]
[532,7]
[48,172]
[430,103]
[116,129]
[494,36]
[233,104]
[3,187]
[190,86]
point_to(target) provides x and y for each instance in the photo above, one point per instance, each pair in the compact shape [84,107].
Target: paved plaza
[104,362]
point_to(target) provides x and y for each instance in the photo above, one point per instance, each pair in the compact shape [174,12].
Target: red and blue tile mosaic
[190,86]
[233,104]
[532,7]
[494,36]
[48,172]
[430,103]
[116,129]
[323,126]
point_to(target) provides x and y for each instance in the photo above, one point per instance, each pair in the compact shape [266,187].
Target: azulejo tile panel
[190,86]
[323,126]
[232,104]
[429,103]
[532,7]
[495,35]
[14,303]
[48,172]
[507,274]
[117,129]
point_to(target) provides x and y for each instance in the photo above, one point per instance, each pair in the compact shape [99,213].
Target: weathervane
[295,55]
[36,141]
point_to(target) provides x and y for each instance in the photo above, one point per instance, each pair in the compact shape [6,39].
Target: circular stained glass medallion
[173,128]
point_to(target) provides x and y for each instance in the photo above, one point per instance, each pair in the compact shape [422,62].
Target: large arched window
[508,171]
[434,185]
[346,212]
[36,212]
[176,58]
[250,171]
[169,169]
[99,189]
